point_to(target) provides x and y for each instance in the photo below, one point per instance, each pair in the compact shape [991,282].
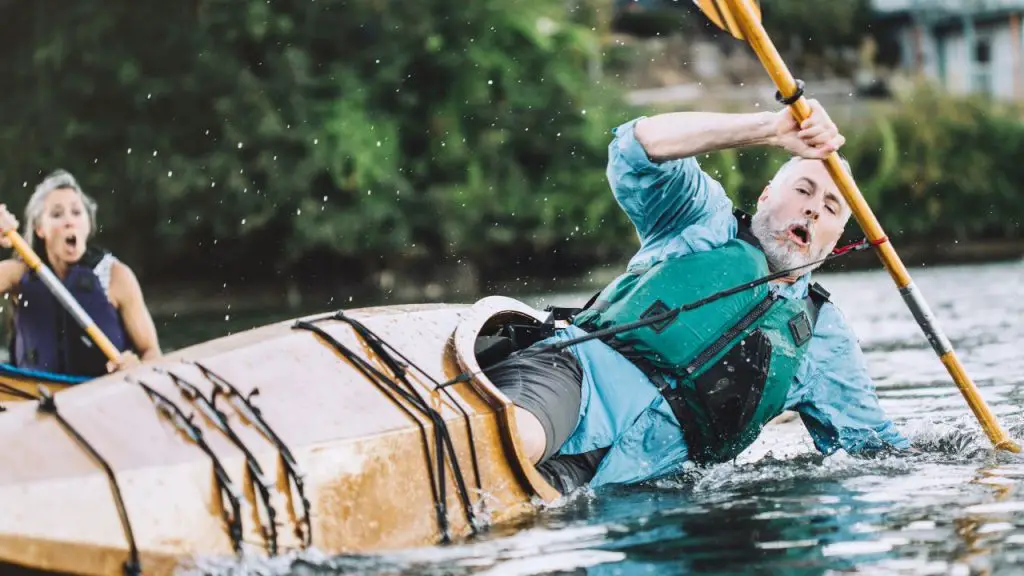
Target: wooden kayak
[18,384]
[327,431]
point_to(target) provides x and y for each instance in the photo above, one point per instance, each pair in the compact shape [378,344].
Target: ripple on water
[954,508]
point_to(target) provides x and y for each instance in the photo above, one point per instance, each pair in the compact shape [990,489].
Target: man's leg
[545,387]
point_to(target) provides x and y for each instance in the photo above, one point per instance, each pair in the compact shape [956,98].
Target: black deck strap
[233,510]
[17,392]
[786,101]
[47,405]
[255,417]
[443,445]
[391,390]
[365,333]
[257,478]
[368,334]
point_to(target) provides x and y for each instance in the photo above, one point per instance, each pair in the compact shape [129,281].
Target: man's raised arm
[658,183]
[684,134]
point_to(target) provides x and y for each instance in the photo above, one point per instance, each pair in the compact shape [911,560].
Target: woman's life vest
[46,337]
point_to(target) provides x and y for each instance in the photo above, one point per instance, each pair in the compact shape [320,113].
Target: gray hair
[55,180]
[791,163]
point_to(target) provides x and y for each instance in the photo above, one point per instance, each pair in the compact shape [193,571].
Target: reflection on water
[955,508]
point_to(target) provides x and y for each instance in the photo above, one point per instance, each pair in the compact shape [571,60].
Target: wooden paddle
[742,19]
[63,296]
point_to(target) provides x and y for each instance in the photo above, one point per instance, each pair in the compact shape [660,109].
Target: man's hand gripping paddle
[742,19]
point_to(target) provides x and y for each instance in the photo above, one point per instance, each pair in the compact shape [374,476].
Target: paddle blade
[720,13]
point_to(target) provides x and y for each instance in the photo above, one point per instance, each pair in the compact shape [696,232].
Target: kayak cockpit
[487,334]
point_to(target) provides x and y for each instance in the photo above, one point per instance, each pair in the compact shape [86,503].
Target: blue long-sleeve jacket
[678,209]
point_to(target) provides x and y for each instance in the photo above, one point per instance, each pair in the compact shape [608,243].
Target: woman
[59,219]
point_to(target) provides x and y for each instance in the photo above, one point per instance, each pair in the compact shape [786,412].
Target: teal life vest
[725,367]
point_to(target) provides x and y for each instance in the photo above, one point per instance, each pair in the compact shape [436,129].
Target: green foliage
[338,138]
[934,169]
[373,134]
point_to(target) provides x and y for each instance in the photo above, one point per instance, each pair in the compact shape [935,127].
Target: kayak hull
[368,457]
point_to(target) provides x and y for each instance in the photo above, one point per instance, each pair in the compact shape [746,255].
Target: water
[956,507]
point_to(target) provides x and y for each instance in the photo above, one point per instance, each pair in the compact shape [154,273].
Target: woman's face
[64,225]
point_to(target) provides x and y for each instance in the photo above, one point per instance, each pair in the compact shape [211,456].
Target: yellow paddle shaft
[63,296]
[745,16]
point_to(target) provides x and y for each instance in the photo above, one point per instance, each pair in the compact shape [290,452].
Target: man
[700,387]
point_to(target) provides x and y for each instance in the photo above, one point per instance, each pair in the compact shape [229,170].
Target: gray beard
[778,250]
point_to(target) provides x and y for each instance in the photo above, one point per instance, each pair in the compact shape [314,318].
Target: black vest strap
[816,298]
[743,231]
[556,313]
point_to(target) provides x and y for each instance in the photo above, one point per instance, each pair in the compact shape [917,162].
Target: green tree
[322,135]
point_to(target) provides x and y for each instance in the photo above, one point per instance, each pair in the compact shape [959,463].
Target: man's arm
[835,396]
[658,183]
[664,196]
[684,134]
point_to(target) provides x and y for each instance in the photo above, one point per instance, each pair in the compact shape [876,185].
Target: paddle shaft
[63,296]
[745,17]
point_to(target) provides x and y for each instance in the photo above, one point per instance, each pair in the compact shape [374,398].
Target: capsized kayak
[328,431]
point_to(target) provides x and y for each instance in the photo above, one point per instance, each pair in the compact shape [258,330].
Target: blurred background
[254,160]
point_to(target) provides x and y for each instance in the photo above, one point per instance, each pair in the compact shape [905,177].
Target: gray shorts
[546,384]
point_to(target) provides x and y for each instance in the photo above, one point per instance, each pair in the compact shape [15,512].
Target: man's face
[800,217]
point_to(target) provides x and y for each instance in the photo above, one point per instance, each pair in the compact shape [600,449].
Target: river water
[957,507]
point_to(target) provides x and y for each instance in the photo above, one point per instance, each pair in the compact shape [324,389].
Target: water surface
[954,508]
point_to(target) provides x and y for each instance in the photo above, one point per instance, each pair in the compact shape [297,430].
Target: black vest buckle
[800,327]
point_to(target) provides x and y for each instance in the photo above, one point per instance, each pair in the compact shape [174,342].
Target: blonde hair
[56,180]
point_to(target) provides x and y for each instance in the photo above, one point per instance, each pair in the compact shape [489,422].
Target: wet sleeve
[660,198]
[834,393]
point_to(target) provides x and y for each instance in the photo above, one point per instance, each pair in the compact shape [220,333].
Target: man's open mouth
[800,234]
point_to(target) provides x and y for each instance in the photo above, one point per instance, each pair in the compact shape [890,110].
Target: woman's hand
[127,360]
[7,223]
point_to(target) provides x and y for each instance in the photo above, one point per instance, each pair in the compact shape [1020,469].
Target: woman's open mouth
[71,241]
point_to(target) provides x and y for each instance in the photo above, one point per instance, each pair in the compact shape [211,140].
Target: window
[981,80]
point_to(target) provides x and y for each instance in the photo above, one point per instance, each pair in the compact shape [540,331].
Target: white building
[967,46]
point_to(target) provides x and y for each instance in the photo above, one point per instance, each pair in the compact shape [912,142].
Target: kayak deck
[19,384]
[335,450]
